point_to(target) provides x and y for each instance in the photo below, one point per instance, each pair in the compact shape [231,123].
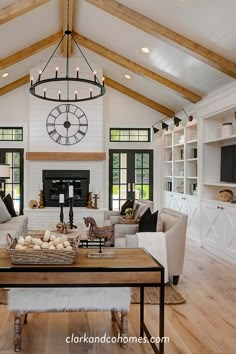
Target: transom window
[129,134]
[11,134]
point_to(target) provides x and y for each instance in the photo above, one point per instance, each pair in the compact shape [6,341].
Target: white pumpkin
[46,236]
[45,245]
[28,239]
[36,247]
[60,247]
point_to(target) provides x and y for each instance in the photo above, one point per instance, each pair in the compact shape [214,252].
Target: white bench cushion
[68,299]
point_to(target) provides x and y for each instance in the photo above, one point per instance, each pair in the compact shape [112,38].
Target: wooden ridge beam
[140,98]
[12,86]
[157,30]
[19,8]
[136,68]
[31,50]
[65,18]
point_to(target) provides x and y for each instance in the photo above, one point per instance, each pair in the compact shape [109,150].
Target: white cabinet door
[187,205]
[219,228]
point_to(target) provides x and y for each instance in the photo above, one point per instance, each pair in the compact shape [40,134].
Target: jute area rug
[151,296]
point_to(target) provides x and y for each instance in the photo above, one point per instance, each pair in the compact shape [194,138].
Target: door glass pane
[115,205]
[116,176]
[16,175]
[16,159]
[123,160]
[138,191]
[123,176]
[145,161]
[145,175]
[115,192]
[138,175]
[145,191]
[138,160]
[123,192]
[116,160]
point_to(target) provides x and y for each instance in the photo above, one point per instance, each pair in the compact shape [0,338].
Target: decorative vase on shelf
[227,129]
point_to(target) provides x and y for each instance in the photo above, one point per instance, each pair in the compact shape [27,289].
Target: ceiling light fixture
[177,121]
[84,89]
[145,50]
[127,76]
[155,130]
[164,126]
[5,75]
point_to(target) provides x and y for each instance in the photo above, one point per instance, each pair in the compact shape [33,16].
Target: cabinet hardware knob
[218,207]
[221,208]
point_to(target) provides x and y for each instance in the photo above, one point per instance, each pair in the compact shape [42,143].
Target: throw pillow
[148,221]
[10,205]
[128,204]
[4,215]
[139,210]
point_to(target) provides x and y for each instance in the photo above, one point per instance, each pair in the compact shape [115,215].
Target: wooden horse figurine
[105,232]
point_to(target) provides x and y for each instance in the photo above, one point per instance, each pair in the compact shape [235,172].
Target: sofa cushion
[148,221]
[9,204]
[21,219]
[128,204]
[18,227]
[4,214]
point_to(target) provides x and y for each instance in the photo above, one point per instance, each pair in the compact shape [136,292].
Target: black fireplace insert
[56,182]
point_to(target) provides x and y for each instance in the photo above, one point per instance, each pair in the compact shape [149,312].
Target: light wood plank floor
[204,325]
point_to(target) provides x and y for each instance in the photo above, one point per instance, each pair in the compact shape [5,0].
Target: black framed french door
[14,185]
[130,176]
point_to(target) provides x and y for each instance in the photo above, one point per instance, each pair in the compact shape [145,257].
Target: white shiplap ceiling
[208,22]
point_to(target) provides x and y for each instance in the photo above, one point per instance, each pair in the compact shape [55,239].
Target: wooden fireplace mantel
[66,156]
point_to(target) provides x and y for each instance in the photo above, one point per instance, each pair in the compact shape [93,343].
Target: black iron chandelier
[72,88]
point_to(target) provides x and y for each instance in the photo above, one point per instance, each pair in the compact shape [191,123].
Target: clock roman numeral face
[67,124]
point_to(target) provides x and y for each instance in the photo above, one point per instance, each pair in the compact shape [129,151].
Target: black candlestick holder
[61,212]
[71,214]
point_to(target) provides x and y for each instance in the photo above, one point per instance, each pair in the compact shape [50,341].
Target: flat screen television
[228,164]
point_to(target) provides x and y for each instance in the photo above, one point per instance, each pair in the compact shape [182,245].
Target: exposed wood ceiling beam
[109,82]
[12,86]
[155,29]
[67,18]
[31,50]
[140,98]
[19,8]
[136,68]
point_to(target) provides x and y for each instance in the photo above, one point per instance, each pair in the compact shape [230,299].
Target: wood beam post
[67,18]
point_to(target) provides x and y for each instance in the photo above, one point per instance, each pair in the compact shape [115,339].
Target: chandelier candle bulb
[91,92]
[94,75]
[57,69]
[76,95]
[40,73]
[59,95]
[31,81]
[77,73]
[103,81]
[44,92]
[71,192]
[61,198]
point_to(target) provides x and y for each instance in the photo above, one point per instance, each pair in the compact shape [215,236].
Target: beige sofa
[16,226]
[174,226]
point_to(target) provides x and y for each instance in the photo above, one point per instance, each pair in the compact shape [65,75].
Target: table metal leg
[141,310]
[162,312]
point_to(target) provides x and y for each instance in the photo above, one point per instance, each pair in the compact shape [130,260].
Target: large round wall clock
[67,124]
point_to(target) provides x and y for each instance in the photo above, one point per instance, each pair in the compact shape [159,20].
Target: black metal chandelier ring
[66,79]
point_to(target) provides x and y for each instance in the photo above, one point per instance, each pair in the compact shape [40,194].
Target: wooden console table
[130,267]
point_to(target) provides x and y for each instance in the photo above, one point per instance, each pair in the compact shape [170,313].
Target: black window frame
[12,133]
[131,141]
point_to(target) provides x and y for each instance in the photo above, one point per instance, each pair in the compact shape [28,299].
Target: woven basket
[44,256]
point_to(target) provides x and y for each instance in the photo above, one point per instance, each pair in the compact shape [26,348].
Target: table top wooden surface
[129,267]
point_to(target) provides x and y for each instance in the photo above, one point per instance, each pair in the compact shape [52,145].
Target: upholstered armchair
[172,227]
